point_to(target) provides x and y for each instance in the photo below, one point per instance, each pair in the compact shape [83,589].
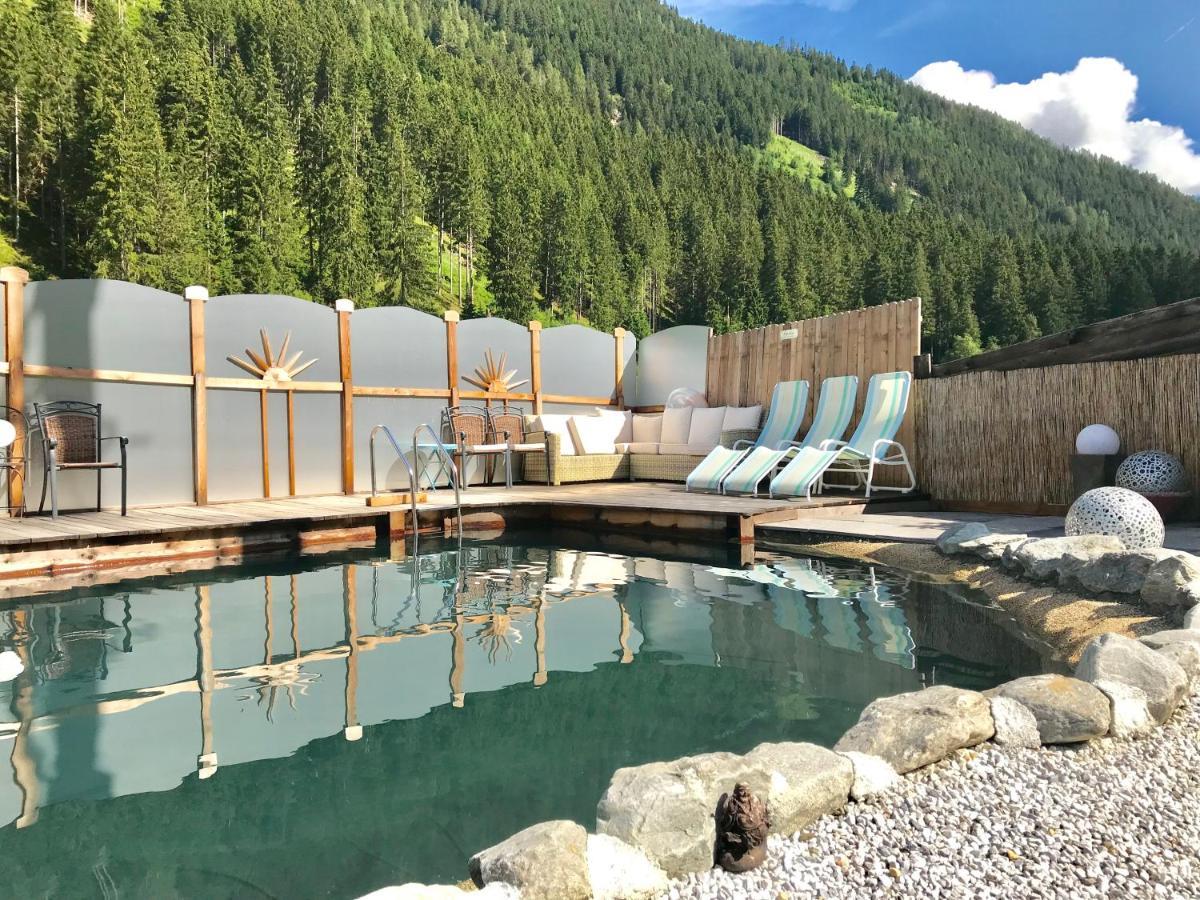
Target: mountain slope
[595,160]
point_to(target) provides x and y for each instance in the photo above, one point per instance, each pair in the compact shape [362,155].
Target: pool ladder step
[445,460]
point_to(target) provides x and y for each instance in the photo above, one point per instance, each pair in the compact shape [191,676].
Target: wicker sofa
[585,448]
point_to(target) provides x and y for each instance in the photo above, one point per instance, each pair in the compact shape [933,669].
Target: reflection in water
[519,673]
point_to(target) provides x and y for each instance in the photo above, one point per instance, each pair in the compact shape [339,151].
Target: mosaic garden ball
[1118,512]
[684,397]
[1097,440]
[1153,472]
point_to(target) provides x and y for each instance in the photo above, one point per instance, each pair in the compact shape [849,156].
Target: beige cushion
[647,429]
[557,424]
[706,426]
[685,449]
[741,417]
[624,417]
[595,434]
[638,447]
[675,425]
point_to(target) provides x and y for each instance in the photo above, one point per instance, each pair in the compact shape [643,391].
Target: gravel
[1111,818]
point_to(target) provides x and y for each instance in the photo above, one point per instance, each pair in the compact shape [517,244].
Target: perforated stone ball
[1097,440]
[1153,472]
[684,397]
[1118,512]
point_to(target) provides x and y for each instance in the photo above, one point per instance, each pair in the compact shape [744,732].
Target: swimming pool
[324,727]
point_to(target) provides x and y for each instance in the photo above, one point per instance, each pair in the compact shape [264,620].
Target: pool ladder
[414,481]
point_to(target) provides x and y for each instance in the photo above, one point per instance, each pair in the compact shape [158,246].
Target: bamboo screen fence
[744,366]
[1003,440]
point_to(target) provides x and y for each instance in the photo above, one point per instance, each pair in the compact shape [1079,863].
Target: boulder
[912,730]
[1059,557]
[1067,709]
[1015,724]
[665,809]
[1131,715]
[992,546]
[1122,572]
[951,540]
[872,775]
[806,782]
[1116,658]
[1172,581]
[1186,656]
[620,872]
[1191,618]
[1160,639]
[547,861]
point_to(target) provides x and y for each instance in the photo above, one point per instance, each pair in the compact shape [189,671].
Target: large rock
[992,546]
[1123,572]
[872,775]
[806,782]
[1172,581]
[547,861]
[1114,657]
[912,730]
[1067,710]
[1186,655]
[1160,639]
[951,540]
[1059,557]
[665,809]
[1128,708]
[1191,618]
[621,872]
[1015,724]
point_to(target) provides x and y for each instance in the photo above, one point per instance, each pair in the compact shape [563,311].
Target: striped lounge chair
[872,445]
[789,400]
[835,408]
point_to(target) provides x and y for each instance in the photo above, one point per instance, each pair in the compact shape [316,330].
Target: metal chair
[508,425]
[14,457]
[71,441]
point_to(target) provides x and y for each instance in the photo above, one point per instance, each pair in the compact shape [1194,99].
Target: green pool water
[322,728]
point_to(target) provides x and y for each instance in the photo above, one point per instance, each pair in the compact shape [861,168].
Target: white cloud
[1087,108]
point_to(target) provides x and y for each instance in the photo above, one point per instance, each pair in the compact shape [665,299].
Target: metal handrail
[440,448]
[412,478]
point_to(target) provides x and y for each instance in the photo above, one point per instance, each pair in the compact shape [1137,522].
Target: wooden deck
[38,553]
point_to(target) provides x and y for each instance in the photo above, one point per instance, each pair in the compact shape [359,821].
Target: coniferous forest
[603,161]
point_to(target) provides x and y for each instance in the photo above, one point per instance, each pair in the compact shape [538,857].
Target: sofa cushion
[624,416]
[705,428]
[595,434]
[685,449]
[647,429]
[638,447]
[675,425]
[738,418]
[557,424]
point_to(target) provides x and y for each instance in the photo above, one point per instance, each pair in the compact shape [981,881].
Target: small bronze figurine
[742,825]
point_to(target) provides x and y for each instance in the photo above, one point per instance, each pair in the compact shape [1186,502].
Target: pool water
[326,727]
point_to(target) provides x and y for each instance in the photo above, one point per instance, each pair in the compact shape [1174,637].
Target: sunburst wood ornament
[273,369]
[491,376]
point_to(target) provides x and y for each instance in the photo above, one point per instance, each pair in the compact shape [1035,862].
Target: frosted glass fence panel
[671,359]
[232,323]
[395,345]
[501,337]
[579,361]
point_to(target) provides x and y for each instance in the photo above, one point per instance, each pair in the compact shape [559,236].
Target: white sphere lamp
[8,433]
[683,397]
[1097,440]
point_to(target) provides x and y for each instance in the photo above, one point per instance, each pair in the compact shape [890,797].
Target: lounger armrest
[884,444]
[834,445]
[790,445]
[739,438]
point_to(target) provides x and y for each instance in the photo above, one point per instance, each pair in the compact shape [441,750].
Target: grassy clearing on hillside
[806,163]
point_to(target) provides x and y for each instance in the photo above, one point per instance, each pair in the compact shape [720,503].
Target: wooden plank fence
[744,366]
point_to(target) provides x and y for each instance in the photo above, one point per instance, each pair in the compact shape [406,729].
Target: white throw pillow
[675,425]
[706,427]
[647,429]
[622,416]
[558,424]
[595,434]
[738,418]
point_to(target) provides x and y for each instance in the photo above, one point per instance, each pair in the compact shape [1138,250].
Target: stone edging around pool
[655,821]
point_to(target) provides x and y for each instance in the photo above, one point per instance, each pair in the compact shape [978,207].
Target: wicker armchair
[508,426]
[14,458]
[469,430]
[71,441]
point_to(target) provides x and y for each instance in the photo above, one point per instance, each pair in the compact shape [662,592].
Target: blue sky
[1151,71]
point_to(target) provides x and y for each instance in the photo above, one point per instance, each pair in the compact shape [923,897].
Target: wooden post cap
[343,305]
[14,273]
[450,315]
[618,332]
[195,292]
[535,325]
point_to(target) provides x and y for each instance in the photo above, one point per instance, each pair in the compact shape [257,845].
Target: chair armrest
[117,437]
[735,436]
[834,445]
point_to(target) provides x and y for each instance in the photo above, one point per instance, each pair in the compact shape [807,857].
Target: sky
[1117,77]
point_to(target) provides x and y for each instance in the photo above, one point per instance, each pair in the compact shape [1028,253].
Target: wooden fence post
[13,280]
[535,365]
[619,366]
[451,318]
[196,295]
[344,308]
